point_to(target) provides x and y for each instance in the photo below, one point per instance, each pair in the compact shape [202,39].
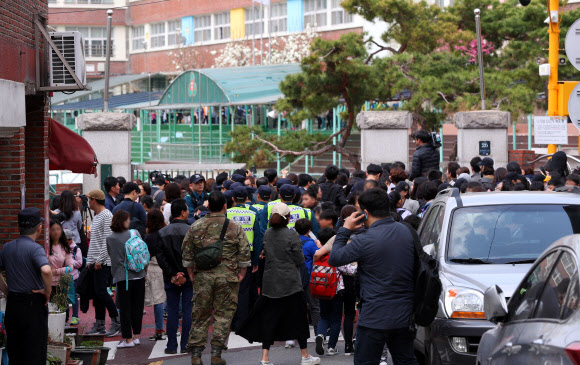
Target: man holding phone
[385,254]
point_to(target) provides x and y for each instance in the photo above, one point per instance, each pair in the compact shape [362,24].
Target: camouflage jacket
[236,251]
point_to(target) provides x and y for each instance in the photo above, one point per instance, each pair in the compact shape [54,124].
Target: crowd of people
[240,252]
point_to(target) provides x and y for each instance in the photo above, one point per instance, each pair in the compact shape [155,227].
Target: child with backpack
[78,265]
[326,282]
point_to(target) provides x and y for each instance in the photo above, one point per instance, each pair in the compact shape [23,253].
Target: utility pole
[480,57]
[108,60]
[553,59]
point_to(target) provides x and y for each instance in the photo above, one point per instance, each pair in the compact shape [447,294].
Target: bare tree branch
[382,48]
[443,96]
[499,102]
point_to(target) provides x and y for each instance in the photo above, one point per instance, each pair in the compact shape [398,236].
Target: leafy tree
[430,53]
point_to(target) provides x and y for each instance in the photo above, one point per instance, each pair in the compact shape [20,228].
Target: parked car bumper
[443,330]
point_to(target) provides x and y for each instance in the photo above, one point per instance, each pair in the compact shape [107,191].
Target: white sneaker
[290,344]
[331,351]
[124,345]
[310,360]
[383,361]
[265,363]
[136,342]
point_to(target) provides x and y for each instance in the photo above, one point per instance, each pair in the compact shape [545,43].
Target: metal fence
[142,172]
[201,153]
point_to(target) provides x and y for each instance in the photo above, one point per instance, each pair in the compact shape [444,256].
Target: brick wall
[62,187]
[85,18]
[12,166]
[521,156]
[22,156]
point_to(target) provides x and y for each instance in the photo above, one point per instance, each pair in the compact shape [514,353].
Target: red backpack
[324,279]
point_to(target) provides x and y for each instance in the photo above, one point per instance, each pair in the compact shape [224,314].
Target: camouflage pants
[217,294]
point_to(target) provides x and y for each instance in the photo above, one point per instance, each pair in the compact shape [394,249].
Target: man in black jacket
[426,157]
[177,283]
[331,191]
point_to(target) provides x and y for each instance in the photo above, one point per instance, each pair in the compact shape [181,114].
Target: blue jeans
[75,304]
[158,312]
[331,317]
[370,343]
[176,295]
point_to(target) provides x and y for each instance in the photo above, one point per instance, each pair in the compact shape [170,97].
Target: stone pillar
[110,136]
[384,136]
[485,125]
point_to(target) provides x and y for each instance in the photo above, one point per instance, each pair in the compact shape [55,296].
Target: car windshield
[508,234]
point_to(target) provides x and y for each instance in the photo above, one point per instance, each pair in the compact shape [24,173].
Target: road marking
[159,350]
[113,349]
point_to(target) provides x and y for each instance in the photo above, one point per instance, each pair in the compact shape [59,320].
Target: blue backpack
[136,255]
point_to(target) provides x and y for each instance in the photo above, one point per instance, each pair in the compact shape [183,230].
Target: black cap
[251,190]
[287,191]
[297,191]
[264,192]
[238,178]
[240,192]
[236,185]
[374,169]
[514,166]
[402,186]
[194,179]
[487,161]
[229,194]
[228,184]
[283,181]
[29,217]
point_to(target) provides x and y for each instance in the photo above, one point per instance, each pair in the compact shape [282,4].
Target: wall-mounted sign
[484,148]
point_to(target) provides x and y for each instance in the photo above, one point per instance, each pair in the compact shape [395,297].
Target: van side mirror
[429,249]
[494,304]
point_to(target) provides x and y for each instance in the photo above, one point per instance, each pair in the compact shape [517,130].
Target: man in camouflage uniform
[215,290]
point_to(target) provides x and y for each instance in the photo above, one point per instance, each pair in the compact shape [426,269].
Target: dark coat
[425,159]
[169,255]
[334,193]
[385,254]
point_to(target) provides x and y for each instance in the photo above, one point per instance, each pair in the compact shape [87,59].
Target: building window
[257,19]
[85,2]
[95,40]
[338,14]
[279,18]
[315,13]
[222,26]
[202,26]
[157,35]
[138,37]
[174,33]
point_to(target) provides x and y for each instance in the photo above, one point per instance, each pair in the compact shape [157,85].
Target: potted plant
[57,309]
[53,360]
[87,356]
[61,350]
[91,344]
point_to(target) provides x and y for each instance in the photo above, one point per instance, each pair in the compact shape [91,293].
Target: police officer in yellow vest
[288,193]
[263,197]
[247,218]
[281,182]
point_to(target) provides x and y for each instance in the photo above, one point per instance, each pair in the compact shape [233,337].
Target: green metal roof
[227,86]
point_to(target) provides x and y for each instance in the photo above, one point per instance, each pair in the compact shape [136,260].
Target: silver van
[481,240]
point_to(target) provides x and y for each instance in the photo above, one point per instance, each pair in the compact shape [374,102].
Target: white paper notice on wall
[550,130]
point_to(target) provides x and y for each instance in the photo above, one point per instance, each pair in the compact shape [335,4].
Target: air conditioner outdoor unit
[72,47]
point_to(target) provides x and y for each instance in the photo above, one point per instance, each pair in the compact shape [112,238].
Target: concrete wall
[384,136]
[476,126]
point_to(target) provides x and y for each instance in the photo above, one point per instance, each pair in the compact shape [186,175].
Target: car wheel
[432,356]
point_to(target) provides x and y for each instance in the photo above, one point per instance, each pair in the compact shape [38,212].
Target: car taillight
[573,352]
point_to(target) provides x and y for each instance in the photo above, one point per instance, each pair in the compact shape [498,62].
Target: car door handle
[539,341]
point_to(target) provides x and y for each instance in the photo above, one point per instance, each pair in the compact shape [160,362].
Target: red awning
[69,151]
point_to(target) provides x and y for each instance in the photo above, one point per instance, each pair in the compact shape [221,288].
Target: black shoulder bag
[210,256]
